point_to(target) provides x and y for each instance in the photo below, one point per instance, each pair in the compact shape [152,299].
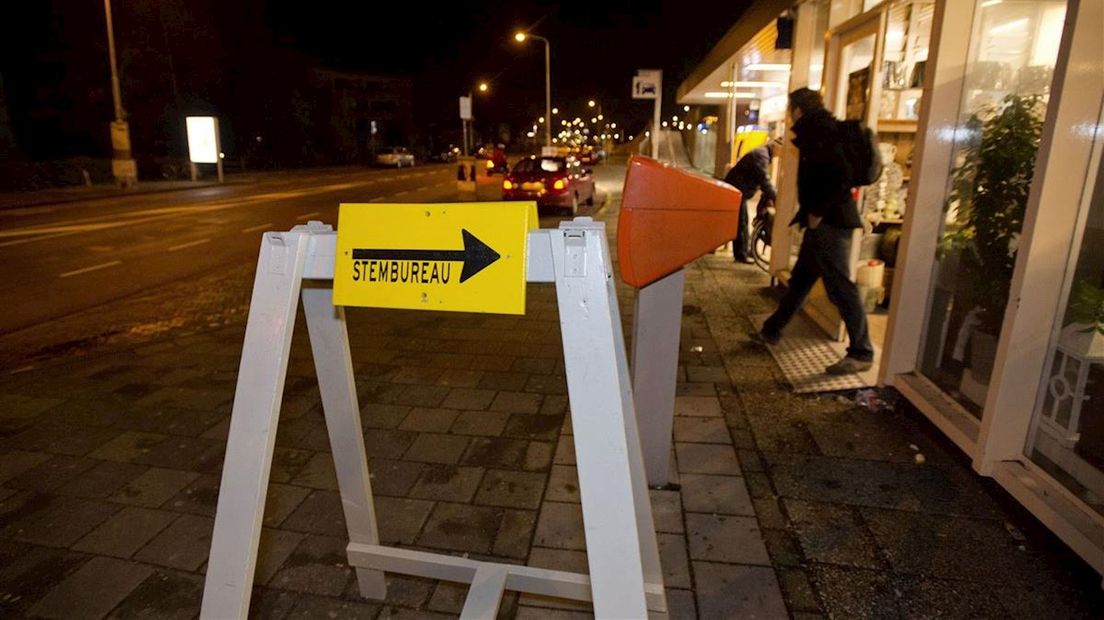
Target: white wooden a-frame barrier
[625,578]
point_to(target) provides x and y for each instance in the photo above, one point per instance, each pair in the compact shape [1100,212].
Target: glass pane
[1072,449]
[1013,48]
[856,72]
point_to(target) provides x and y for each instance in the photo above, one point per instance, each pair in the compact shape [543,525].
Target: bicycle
[761,237]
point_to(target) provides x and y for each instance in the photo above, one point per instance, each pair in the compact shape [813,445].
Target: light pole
[466,122]
[520,38]
[122,164]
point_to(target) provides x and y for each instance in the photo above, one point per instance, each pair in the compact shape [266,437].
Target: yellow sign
[465,257]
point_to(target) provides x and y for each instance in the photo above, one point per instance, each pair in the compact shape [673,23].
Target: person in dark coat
[828,213]
[750,174]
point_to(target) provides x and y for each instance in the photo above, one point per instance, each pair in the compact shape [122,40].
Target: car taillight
[507,184]
[559,184]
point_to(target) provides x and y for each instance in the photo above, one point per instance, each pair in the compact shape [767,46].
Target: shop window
[1013,49]
[1067,436]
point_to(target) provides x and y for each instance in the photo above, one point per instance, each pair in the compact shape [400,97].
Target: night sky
[205,55]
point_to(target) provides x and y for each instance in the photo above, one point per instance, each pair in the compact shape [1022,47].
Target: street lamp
[591,103]
[469,127]
[521,37]
[123,167]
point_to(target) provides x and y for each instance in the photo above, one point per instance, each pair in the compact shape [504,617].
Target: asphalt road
[64,260]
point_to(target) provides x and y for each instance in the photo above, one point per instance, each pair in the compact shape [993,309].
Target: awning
[715,69]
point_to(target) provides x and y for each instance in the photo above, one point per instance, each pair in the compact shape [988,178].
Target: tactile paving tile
[804,353]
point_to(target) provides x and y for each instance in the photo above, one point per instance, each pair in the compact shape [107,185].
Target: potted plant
[989,192]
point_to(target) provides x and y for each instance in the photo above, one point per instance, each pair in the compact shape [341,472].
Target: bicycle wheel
[760,246]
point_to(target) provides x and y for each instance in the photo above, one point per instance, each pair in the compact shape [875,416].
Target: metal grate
[803,354]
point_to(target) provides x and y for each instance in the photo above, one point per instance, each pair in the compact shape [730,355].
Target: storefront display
[988,190]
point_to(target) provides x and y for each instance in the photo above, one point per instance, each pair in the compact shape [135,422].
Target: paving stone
[318,473]
[560,526]
[404,591]
[527,612]
[400,520]
[460,527]
[538,456]
[856,593]
[468,398]
[447,483]
[773,434]
[287,463]
[783,548]
[706,374]
[515,533]
[680,605]
[423,396]
[733,591]
[495,452]
[394,478]
[797,590]
[169,420]
[125,532]
[953,548]
[55,521]
[437,448]
[701,430]
[698,406]
[527,426]
[197,454]
[320,513]
[534,365]
[154,487]
[102,480]
[281,501]
[15,462]
[318,565]
[274,549]
[750,461]
[725,539]
[759,485]
[770,513]
[563,484]
[514,381]
[485,423]
[415,375]
[164,595]
[565,452]
[697,458]
[667,511]
[460,378]
[400,613]
[426,420]
[546,384]
[555,404]
[387,444]
[128,447]
[93,590]
[28,572]
[51,474]
[675,562]
[383,416]
[512,489]
[517,402]
[832,534]
[200,497]
[716,494]
[183,545]
[561,560]
[448,597]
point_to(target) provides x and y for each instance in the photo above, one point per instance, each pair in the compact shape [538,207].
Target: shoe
[764,338]
[747,260]
[849,366]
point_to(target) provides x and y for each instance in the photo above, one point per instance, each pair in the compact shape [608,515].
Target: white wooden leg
[657,323]
[333,363]
[253,421]
[602,420]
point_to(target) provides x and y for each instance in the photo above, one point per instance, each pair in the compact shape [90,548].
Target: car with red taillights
[554,182]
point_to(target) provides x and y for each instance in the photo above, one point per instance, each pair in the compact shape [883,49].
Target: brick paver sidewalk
[785,506]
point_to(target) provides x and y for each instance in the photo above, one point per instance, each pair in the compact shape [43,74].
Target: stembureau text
[400,271]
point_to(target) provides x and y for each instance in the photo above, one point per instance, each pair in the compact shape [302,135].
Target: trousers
[824,254]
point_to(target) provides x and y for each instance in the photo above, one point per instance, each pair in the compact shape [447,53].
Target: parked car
[554,182]
[397,156]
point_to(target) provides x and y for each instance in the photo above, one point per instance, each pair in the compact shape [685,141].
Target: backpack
[860,148]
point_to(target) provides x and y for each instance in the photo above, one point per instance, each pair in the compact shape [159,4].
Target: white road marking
[92,268]
[258,227]
[308,215]
[188,245]
[376,199]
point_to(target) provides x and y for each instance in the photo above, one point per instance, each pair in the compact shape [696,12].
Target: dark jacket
[751,174]
[823,173]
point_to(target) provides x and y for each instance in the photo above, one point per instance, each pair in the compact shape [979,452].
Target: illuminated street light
[521,37]
[613,125]
[540,120]
[674,118]
[591,103]
[593,120]
[685,108]
[600,117]
[664,123]
[483,87]
[555,110]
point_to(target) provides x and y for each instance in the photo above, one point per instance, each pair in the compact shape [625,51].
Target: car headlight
[507,185]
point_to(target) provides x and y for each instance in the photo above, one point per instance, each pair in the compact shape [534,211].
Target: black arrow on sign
[476,255]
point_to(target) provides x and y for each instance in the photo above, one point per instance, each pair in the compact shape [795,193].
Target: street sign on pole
[465,108]
[467,257]
[648,84]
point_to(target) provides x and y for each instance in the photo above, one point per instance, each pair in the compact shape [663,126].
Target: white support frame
[626,580]
[657,325]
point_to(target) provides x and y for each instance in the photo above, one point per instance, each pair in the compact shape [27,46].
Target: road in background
[138,266]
